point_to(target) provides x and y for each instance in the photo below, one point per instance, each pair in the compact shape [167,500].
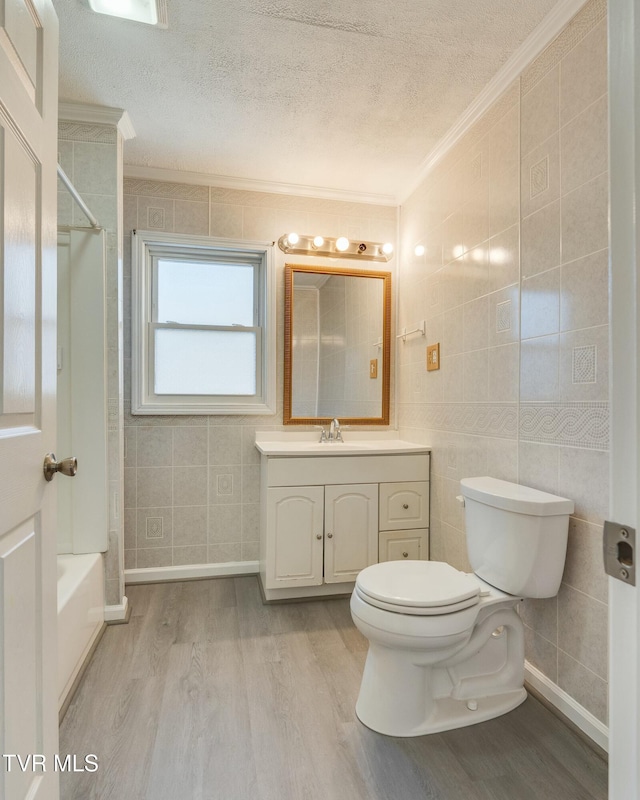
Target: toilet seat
[421,588]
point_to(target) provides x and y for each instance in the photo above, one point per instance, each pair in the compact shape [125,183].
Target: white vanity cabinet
[324,518]
[404,521]
[320,534]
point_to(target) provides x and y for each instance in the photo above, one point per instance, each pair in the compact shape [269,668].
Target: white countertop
[296,444]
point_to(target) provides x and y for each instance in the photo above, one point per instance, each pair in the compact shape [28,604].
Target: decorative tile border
[499,420]
[574,424]
[583,23]
[173,191]
[85,132]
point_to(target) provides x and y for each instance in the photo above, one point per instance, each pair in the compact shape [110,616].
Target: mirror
[337,345]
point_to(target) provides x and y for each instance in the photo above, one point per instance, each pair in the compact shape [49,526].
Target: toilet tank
[516,536]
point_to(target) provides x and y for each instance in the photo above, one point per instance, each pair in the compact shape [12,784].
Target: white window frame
[147,246]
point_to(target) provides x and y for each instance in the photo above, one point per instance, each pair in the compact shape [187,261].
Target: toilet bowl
[446,648]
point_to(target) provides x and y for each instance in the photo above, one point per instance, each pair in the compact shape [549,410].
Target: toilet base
[448,714]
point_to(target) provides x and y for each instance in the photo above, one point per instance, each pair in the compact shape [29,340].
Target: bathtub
[80,615]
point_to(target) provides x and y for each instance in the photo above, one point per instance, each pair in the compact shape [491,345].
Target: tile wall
[191,484]
[91,155]
[513,284]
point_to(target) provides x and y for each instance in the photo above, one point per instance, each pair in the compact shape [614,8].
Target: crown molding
[557,19]
[97,115]
[251,185]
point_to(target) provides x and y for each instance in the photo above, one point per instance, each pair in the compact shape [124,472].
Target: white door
[624,601]
[350,530]
[28,135]
[294,536]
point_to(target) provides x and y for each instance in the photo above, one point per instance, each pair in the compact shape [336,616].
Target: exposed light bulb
[387,248]
[293,238]
[342,244]
[318,241]
[419,251]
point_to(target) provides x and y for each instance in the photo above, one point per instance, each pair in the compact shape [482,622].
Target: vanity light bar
[303,245]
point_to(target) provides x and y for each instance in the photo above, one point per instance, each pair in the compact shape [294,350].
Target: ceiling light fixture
[151,12]
[309,245]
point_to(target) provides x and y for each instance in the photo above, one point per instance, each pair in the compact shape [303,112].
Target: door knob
[68,466]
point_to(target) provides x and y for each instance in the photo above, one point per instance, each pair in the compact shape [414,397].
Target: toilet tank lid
[514,497]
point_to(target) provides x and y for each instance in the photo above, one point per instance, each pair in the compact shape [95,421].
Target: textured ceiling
[344,94]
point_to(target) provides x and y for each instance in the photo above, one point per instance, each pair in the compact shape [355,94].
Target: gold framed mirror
[337,345]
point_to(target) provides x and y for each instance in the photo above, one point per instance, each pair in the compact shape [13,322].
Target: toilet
[446,648]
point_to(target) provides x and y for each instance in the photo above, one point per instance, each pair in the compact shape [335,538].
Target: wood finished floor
[209,695]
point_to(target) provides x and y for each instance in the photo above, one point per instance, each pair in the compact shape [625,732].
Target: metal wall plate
[619,550]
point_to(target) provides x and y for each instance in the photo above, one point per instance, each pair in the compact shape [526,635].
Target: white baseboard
[116,613]
[190,571]
[583,719]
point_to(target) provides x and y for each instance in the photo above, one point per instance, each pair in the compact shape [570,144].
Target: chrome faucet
[335,434]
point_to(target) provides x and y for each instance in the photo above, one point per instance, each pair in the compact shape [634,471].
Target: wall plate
[433,357]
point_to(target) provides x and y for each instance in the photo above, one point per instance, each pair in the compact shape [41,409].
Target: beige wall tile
[251,484]
[584,365]
[190,446]
[584,296]
[226,220]
[585,219]
[504,259]
[584,478]
[541,653]
[225,444]
[452,380]
[540,176]
[223,553]
[250,522]
[95,168]
[225,485]
[476,376]
[542,617]
[155,557]
[540,116]
[154,527]
[504,171]
[452,284]
[475,322]
[539,365]
[538,466]
[225,524]
[452,336]
[452,237]
[191,217]
[503,373]
[585,686]
[155,214]
[541,240]
[153,486]
[583,74]
[189,486]
[540,314]
[504,316]
[189,526]
[584,146]
[190,555]
[582,629]
[250,551]
[476,272]
[583,568]
[154,447]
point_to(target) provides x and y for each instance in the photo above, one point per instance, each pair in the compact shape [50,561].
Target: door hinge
[619,550]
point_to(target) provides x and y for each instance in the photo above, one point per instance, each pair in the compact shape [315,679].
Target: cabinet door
[411,545]
[351,530]
[404,505]
[294,536]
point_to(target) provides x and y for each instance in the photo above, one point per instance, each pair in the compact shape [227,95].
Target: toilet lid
[418,584]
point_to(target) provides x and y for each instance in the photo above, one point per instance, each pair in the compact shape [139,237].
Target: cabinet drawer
[400,545]
[404,505]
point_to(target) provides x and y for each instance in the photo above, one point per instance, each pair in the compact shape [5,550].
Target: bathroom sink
[295,447]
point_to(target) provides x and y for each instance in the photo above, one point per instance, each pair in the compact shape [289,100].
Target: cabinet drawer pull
[405,554]
[329,536]
[318,536]
[405,506]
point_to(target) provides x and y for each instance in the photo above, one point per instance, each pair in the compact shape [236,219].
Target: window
[203,326]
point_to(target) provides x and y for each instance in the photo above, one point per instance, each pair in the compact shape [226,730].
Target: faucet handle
[323,432]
